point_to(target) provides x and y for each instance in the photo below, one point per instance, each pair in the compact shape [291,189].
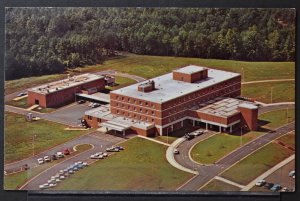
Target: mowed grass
[24,83]
[19,134]
[257,163]
[15,181]
[166,139]
[277,118]
[141,166]
[121,82]
[152,66]
[288,139]
[281,92]
[217,185]
[214,148]
[22,103]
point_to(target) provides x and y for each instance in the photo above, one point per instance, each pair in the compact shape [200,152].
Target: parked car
[112,149]
[91,104]
[44,186]
[71,172]
[119,147]
[47,159]
[197,133]
[188,136]
[60,154]
[268,185]
[25,166]
[54,157]
[284,189]
[96,156]
[40,161]
[95,105]
[276,187]
[175,151]
[66,151]
[104,154]
[292,173]
[22,94]
[81,101]
[260,183]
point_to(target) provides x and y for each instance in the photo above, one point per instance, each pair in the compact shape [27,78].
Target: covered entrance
[116,126]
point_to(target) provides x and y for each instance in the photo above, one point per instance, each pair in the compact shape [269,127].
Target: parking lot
[281,177]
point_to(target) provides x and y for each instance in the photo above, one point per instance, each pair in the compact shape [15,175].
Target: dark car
[25,167]
[54,157]
[268,185]
[81,101]
[276,187]
[22,94]
[188,136]
[66,151]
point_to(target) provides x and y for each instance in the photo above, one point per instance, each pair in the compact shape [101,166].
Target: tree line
[50,40]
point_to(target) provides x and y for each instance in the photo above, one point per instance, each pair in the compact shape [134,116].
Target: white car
[104,154]
[47,159]
[60,154]
[260,182]
[40,161]
[62,177]
[44,186]
[176,151]
[96,156]
[284,189]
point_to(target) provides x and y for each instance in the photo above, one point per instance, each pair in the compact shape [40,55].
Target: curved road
[208,172]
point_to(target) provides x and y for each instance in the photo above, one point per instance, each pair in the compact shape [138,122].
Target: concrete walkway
[229,182]
[267,173]
[275,104]
[263,81]
[171,159]
[153,140]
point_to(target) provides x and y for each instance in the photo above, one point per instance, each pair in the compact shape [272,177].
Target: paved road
[269,108]
[206,173]
[100,142]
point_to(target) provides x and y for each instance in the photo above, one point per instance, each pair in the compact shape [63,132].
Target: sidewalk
[153,140]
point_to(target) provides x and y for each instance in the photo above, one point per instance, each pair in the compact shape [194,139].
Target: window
[128,107]
[128,99]
[134,108]
[141,110]
[134,100]
[89,117]
[152,120]
[122,98]
[146,119]
[147,112]
[146,103]
[118,112]
[140,102]
[117,104]
[98,120]
[153,112]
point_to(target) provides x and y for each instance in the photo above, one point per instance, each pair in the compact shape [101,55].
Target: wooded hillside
[49,40]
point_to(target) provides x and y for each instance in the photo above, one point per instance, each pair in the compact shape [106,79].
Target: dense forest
[50,40]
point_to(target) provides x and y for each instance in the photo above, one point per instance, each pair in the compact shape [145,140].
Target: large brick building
[62,92]
[191,94]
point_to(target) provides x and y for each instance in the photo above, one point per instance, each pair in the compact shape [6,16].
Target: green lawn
[288,139]
[19,134]
[217,185]
[282,91]
[121,82]
[214,148]
[141,166]
[257,163]
[22,103]
[151,66]
[166,139]
[277,118]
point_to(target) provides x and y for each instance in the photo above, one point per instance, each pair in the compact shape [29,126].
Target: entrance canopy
[96,97]
[115,126]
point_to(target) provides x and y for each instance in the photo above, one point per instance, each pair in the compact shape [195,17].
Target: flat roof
[249,106]
[96,96]
[223,107]
[66,83]
[103,112]
[190,69]
[168,89]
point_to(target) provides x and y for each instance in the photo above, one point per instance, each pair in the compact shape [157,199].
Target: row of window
[132,100]
[134,108]
[135,116]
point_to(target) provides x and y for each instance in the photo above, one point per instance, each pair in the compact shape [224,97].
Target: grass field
[217,185]
[141,166]
[214,148]
[288,139]
[277,118]
[19,136]
[121,82]
[22,103]
[152,66]
[166,139]
[257,163]
[281,92]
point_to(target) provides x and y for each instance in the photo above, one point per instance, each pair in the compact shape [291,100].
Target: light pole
[271,94]
[241,135]
[33,138]
[287,115]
